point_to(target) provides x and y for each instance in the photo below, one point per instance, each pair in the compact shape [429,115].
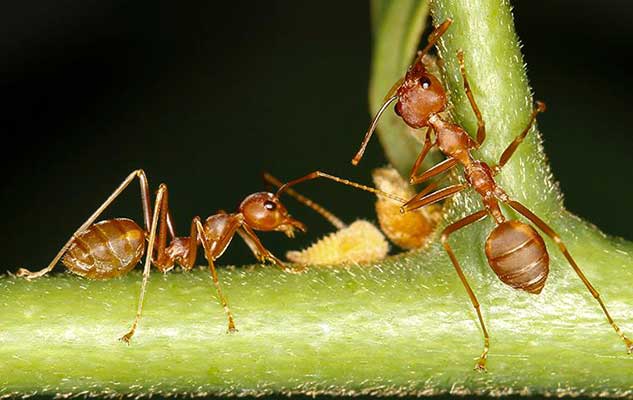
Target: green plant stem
[404,326]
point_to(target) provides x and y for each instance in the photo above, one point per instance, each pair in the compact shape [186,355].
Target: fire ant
[516,252]
[111,248]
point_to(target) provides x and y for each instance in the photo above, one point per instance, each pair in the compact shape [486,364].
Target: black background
[205,97]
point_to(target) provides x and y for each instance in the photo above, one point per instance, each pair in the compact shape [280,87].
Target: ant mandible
[516,252]
[111,248]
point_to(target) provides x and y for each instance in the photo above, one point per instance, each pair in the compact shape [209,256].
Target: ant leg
[422,199]
[221,244]
[159,207]
[260,252]
[434,37]
[435,170]
[140,174]
[331,218]
[190,261]
[170,225]
[481,363]
[319,174]
[418,161]
[481,125]
[554,236]
[509,151]
[431,172]
[162,260]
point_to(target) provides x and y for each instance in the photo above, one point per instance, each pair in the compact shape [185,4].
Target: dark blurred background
[205,97]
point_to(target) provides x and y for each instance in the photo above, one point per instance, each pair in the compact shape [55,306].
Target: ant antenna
[371,129]
[319,174]
[331,218]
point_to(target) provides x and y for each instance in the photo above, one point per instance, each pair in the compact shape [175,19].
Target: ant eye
[425,82]
[270,205]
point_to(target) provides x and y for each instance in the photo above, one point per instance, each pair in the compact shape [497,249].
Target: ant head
[263,211]
[420,96]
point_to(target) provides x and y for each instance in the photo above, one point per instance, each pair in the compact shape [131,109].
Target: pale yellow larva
[359,242]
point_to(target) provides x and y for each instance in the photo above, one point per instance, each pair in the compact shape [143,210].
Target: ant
[111,248]
[516,252]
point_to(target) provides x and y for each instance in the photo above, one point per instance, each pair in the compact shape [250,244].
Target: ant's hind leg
[554,236]
[481,363]
[481,125]
[160,208]
[23,272]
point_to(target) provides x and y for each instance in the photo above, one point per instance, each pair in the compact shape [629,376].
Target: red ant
[113,247]
[515,250]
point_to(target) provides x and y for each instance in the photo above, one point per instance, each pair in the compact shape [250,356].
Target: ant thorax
[216,225]
[452,140]
[479,176]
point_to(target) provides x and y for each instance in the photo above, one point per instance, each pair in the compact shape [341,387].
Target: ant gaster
[516,252]
[113,247]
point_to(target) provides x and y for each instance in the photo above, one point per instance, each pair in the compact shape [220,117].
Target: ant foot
[127,337]
[25,273]
[629,345]
[481,365]
[232,328]
[295,270]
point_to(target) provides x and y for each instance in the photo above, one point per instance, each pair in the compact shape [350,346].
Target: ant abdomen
[517,254]
[106,249]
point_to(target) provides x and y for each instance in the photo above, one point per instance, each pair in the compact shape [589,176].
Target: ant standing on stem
[515,250]
[111,248]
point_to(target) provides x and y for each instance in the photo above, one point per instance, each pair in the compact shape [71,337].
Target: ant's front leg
[418,161]
[437,169]
[424,198]
[262,253]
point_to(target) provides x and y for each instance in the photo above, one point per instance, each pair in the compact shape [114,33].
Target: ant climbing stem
[515,251]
